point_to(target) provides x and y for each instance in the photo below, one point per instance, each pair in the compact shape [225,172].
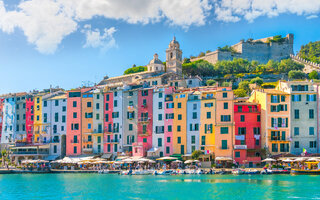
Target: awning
[224,159]
[106,155]
[52,157]
[153,152]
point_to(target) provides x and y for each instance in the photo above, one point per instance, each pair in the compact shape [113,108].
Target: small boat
[165,172]
[238,172]
[266,171]
[252,172]
[142,172]
[312,169]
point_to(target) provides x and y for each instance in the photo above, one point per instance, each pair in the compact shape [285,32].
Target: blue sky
[67,43]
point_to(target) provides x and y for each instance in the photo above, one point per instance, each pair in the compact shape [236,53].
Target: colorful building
[275,115]
[98,121]
[247,145]
[108,123]
[168,123]
[29,118]
[87,122]
[9,120]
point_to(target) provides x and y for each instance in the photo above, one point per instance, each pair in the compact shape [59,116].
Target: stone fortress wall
[260,50]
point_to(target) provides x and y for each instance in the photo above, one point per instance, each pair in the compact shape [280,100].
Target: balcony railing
[144,133]
[144,120]
[74,141]
[107,131]
[278,138]
[240,146]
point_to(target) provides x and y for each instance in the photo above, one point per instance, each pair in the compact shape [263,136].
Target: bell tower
[174,57]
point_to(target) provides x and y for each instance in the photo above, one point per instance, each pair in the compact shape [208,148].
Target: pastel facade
[9,120]
[39,131]
[168,123]
[1,115]
[97,134]
[158,124]
[275,115]
[20,129]
[193,122]
[224,128]
[179,137]
[304,132]
[29,118]
[108,123]
[117,114]
[87,122]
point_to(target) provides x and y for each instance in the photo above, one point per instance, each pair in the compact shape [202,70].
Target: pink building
[168,123]
[145,106]
[29,118]
[1,115]
[73,143]
[108,123]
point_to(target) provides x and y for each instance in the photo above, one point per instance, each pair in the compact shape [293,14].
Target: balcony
[144,133]
[144,120]
[278,139]
[107,131]
[74,141]
[97,131]
[87,150]
[240,146]
[86,140]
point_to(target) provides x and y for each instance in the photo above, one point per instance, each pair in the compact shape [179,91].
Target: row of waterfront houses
[159,113]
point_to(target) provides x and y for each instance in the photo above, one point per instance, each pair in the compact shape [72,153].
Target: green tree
[245,86]
[196,154]
[210,82]
[288,65]
[240,92]
[186,60]
[135,69]
[201,54]
[257,80]
[311,52]
[314,75]
[296,74]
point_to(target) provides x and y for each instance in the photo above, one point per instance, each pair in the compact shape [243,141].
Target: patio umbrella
[167,158]
[268,160]
[178,161]
[300,159]
[288,160]
[188,161]
[313,159]
[151,161]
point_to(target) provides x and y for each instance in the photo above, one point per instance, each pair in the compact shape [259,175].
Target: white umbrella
[288,160]
[151,161]
[178,161]
[188,161]
[313,159]
[300,159]
[268,160]
[167,158]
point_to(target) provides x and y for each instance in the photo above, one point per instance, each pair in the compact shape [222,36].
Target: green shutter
[299,97]
[308,97]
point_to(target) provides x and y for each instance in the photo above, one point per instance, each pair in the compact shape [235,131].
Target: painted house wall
[9,120]
[98,121]
[118,122]
[130,119]
[180,136]
[87,122]
[29,118]
[158,121]
[38,119]
[108,123]
[20,130]
[221,111]
[193,106]
[207,140]
[168,134]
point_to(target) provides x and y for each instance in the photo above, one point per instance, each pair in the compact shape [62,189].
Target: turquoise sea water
[96,186]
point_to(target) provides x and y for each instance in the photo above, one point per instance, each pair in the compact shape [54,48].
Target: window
[194,115]
[115,115]
[115,103]
[311,114]
[115,93]
[106,117]
[159,142]
[74,104]
[225,118]
[97,106]
[224,130]
[179,140]
[274,147]
[241,130]
[89,104]
[311,130]
[169,128]
[74,149]
[224,144]
[55,128]
[160,105]
[159,129]
[56,117]
[64,108]
[160,95]
[242,118]
[193,139]
[55,150]
[258,118]
[89,126]
[178,128]
[45,104]
[283,98]
[159,117]
[195,106]
[179,117]
[313,144]
[208,115]
[225,105]
[97,116]
[311,97]
[167,150]
[203,140]
[224,95]
[296,97]
[296,144]
[179,105]
[208,105]
[130,127]
[237,154]
[275,99]
[256,131]
[168,139]
[296,114]
[144,93]
[56,102]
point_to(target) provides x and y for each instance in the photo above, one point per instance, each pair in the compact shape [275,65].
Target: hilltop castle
[261,50]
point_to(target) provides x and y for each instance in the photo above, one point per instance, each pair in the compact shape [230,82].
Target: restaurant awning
[106,155]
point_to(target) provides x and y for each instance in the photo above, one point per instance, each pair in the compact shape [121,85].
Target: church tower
[174,57]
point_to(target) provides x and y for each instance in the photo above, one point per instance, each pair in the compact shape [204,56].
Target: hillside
[135,69]
[310,52]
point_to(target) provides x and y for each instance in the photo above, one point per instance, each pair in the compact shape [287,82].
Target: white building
[117,120]
[158,124]
[193,122]
[9,120]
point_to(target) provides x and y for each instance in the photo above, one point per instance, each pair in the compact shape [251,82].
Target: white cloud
[96,39]
[312,17]
[234,10]
[46,23]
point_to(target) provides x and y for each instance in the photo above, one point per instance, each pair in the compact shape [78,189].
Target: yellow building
[207,122]
[37,126]
[87,122]
[180,123]
[275,115]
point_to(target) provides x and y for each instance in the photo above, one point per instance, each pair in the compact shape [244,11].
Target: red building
[145,106]
[29,118]
[108,123]
[247,148]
